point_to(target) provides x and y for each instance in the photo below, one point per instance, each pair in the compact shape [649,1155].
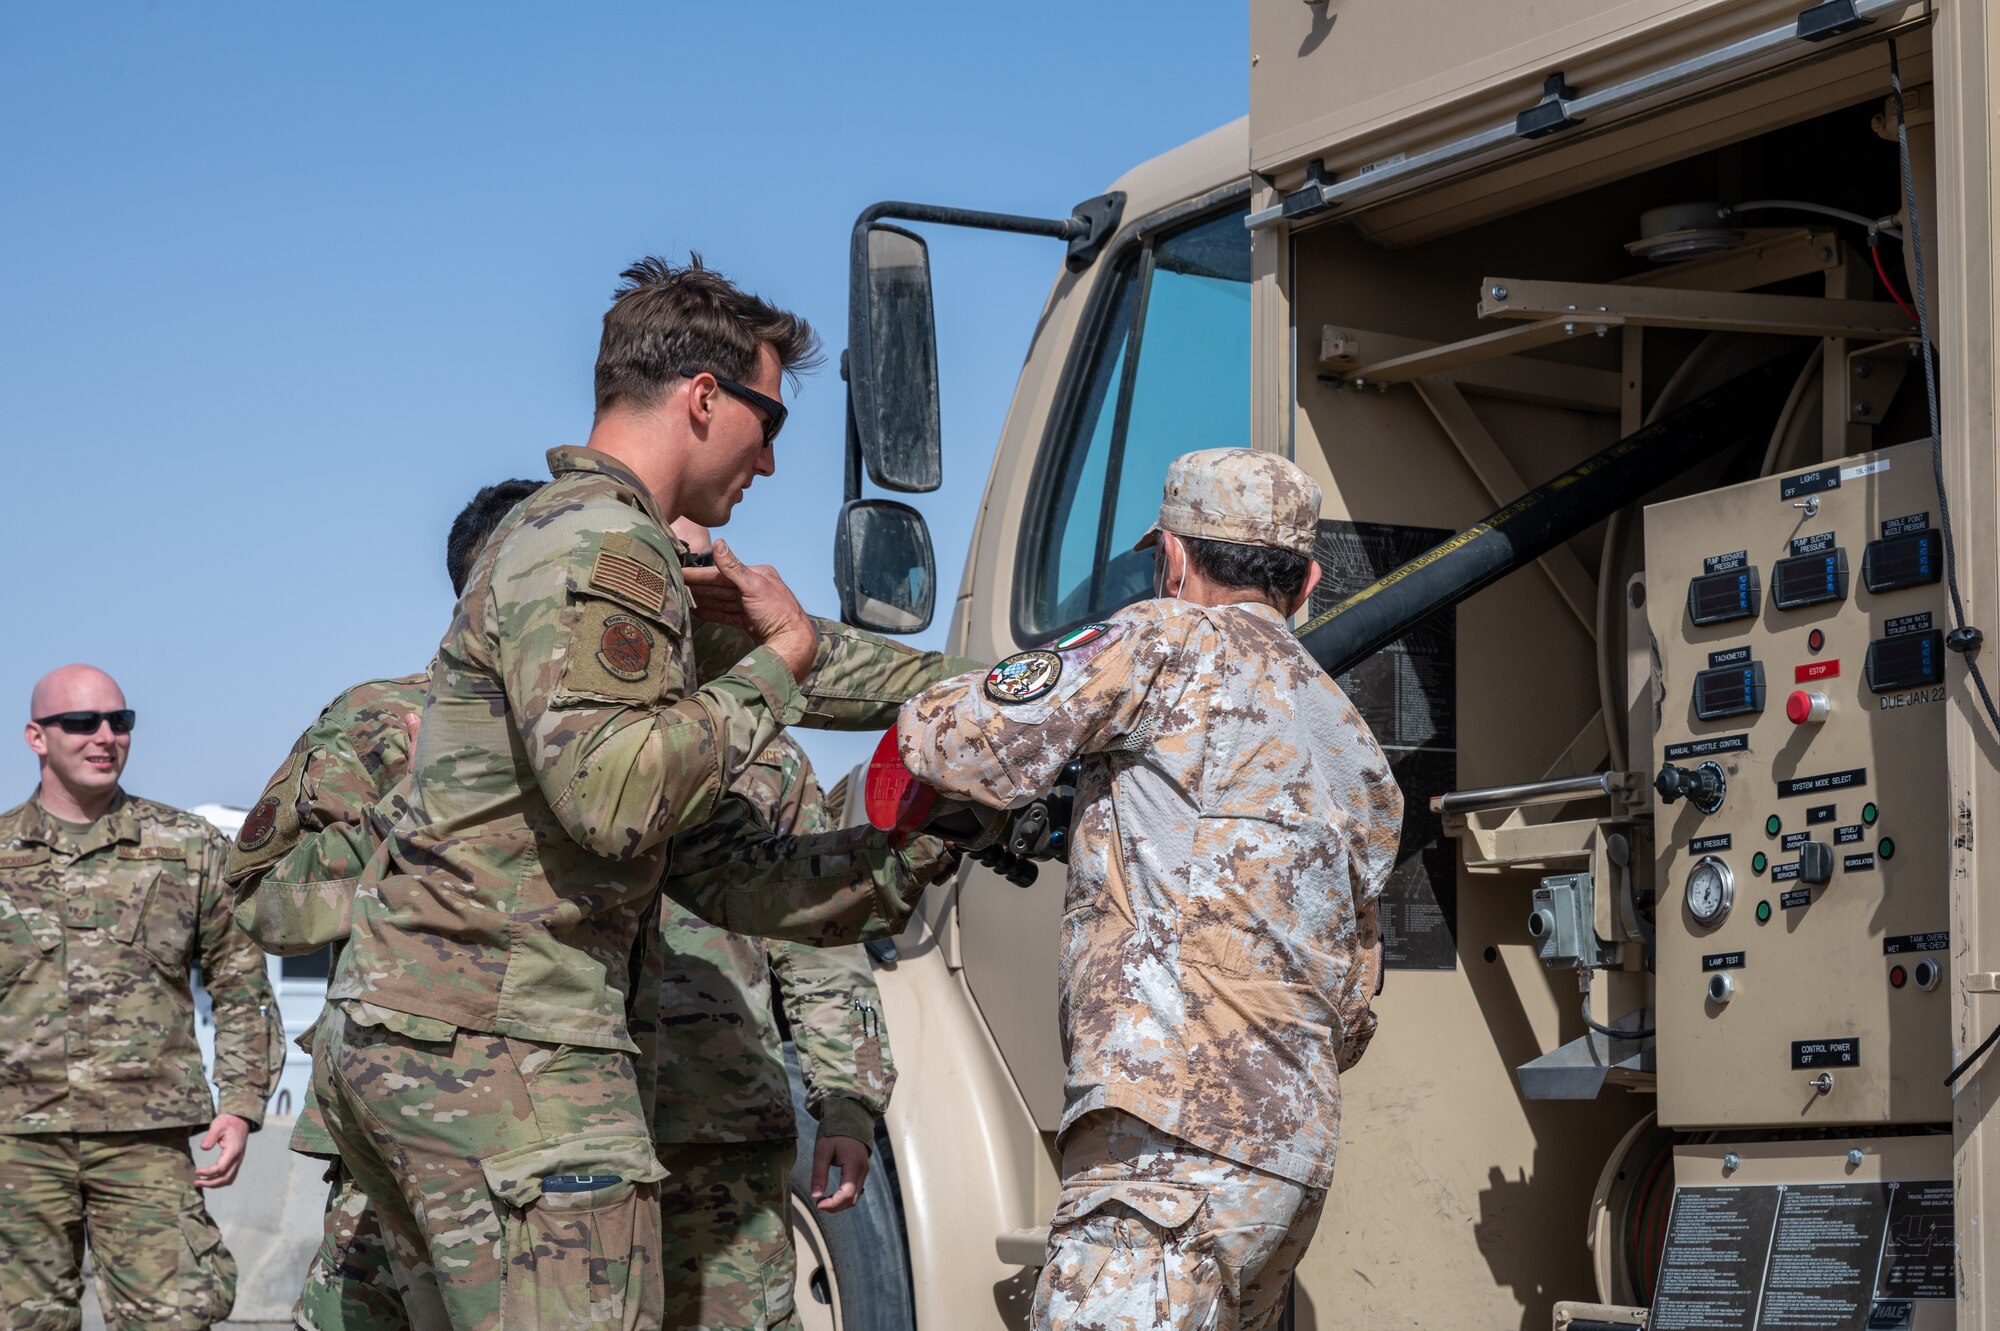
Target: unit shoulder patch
[259,824]
[1024,677]
[625,647]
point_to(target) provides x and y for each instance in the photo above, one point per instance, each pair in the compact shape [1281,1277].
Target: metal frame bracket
[1829,20]
[1551,113]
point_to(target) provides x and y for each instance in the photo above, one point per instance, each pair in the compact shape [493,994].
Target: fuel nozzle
[1007,843]
[1701,786]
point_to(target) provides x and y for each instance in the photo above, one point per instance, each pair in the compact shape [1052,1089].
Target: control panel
[1800,821]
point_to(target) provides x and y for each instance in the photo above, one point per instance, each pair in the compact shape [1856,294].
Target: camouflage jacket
[1235,825]
[356,752]
[567,737]
[97,934]
[722,1071]
[353,754]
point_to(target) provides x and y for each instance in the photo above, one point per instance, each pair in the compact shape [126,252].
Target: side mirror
[883,565]
[892,358]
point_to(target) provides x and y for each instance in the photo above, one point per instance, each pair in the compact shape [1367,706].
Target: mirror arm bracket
[1087,229]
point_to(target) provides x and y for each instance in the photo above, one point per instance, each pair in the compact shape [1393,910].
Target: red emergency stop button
[1804,708]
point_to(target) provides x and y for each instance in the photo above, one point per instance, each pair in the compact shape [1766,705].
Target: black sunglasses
[86,723]
[774,410]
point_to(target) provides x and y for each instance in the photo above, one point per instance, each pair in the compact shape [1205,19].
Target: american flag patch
[629,580]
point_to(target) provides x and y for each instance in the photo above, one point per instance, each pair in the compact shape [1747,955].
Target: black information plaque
[1712,1268]
[1918,1259]
[1804,1257]
[1823,1256]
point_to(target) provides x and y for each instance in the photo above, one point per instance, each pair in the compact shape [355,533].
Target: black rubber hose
[1549,514]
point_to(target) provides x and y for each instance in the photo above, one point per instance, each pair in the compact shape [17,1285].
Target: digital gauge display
[1908,661]
[1809,579]
[1711,889]
[1717,598]
[1736,690]
[1915,560]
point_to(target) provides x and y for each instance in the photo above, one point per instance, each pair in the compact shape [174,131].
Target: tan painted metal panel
[1814,972]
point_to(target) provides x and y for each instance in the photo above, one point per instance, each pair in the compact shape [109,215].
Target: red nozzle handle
[897,801]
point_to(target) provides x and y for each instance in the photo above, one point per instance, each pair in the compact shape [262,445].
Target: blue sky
[281,285]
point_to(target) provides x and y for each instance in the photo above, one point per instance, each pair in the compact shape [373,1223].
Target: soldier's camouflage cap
[1241,496]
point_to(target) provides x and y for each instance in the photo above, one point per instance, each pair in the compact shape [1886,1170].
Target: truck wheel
[854,1267]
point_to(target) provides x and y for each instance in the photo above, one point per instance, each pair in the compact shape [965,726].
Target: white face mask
[1160,566]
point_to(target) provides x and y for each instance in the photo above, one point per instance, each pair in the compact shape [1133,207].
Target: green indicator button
[1773,825]
[1869,813]
[1758,863]
[1886,848]
[1763,912]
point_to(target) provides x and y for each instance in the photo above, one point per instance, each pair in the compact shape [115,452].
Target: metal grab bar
[1556,790]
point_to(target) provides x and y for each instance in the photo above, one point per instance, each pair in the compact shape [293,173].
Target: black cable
[1973,1057]
[1583,982]
[1963,638]
[1616,1033]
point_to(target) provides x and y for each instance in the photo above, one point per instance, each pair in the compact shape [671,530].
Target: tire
[854,1267]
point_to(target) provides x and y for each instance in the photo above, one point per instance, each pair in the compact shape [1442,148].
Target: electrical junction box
[1559,921]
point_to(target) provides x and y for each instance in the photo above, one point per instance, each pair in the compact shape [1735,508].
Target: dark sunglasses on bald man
[774,410]
[86,723]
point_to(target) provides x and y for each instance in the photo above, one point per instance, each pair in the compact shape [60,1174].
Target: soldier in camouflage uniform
[476,1069]
[1235,825]
[106,901]
[724,1123]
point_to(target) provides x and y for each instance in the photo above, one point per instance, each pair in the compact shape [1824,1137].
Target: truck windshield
[1169,372]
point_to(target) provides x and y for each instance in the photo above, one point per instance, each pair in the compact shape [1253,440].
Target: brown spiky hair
[664,319]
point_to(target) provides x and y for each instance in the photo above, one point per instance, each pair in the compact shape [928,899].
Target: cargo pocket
[1123,1253]
[1355,1032]
[779,1274]
[208,1270]
[580,1234]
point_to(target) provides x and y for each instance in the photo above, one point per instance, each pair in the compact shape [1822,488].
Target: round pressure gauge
[1710,890]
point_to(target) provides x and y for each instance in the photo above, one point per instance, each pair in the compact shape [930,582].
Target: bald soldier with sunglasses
[106,901]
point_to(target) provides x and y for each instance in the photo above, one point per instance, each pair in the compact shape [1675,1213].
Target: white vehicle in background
[298,982]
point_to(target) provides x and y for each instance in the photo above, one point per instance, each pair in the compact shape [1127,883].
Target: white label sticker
[1865,469]
[1373,167]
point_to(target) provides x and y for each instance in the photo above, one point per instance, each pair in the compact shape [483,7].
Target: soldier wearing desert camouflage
[476,1067]
[106,901]
[1235,825]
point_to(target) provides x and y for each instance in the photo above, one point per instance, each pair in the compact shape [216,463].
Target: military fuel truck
[1645,352]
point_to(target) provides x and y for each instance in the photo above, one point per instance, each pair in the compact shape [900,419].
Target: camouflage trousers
[160,1259]
[514,1180]
[726,1236]
[1151,1233]
[353,1284]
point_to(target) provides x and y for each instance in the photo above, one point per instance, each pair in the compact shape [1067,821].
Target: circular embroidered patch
[626,648]
[259,825]
[1082,637]
[1024,676]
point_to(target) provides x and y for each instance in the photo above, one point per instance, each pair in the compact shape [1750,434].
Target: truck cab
[1583,317]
